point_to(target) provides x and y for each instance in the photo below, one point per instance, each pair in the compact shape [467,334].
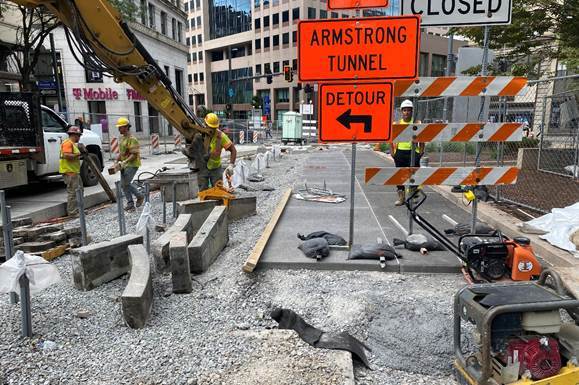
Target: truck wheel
[86,174]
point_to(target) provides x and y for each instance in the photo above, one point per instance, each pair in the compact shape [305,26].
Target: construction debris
[316,194]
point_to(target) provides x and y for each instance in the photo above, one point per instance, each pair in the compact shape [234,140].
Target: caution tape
[460,86]
[450,176]
[458,132]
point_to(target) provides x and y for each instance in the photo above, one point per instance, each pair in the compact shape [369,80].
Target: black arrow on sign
[347,118]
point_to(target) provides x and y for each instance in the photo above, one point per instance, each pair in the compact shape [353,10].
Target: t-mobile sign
[459,12]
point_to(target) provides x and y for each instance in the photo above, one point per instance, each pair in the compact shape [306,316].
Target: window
[188,58]
[323,14]
[265,21]
[50,123]
[179,32]
[179,81]
[198,21]
[200,55]
[195,77]
[276,67]
[285,38]
[282,95]
[143,10]
[199,39]
[190,99]
[192,23]
[266,42]
[217,55]
[438,65]
[151,15]
[257,43]
[186,7]
[201,77]
[257,24]
[190,78]
[267,68]
[311,13]
[285,16]
[276,40]
[344,16]
[238,52]
[295,37]
[256,3]
[423,64]
[163,23]
[198,3]
[295,14]
[258,69]
[295,64]
[194,55]
[97,111]
[285,63]
[173,28]
[188,42]
[138,116]
[335,15]
[228,17]
[237,79]
[275,19]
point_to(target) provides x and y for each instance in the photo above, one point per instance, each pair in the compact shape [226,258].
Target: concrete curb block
[199,210]
[180,269]
[93,265]
[209,241]
[241,207]
[137,298]
[160,247]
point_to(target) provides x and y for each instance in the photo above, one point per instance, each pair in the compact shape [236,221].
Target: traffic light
[288,74]
[269,77]
[308,89]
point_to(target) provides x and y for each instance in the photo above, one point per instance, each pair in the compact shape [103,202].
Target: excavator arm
[102,41]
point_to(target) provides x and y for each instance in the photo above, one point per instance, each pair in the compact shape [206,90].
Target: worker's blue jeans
[129,189]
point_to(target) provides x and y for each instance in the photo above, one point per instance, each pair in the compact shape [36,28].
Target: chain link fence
[548,155]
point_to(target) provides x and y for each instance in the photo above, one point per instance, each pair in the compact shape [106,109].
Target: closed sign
[459,12]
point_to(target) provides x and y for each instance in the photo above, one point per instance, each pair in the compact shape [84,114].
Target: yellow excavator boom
[105,42]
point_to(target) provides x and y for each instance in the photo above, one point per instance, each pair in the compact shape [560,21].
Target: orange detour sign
[356,49]
[354,4]
[355,112]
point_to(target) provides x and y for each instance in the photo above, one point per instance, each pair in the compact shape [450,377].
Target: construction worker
[402,151]
[69,167]
[130,160]
[209,164]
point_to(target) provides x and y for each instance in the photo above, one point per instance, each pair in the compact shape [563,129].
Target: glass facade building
[241,90]
[228,17]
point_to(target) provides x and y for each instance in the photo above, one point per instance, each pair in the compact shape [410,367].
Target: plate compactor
[489,257]
[525,333]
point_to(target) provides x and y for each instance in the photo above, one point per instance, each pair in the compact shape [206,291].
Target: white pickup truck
[30,139]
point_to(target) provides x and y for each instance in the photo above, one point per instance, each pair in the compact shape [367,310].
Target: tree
[540,30]
[127,8]
[35,25]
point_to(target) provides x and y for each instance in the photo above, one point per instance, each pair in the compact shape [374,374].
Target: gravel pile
[211,335]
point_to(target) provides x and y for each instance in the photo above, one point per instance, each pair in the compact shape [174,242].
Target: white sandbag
[559,224]
[146,220]
[41,273]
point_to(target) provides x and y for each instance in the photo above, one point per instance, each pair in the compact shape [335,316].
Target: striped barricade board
[460,86]
[449,176]
[458,132]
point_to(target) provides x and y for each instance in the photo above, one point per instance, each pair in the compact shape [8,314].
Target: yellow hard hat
[121,122]
[212,120]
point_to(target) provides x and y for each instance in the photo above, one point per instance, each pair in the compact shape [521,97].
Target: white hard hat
[407,104]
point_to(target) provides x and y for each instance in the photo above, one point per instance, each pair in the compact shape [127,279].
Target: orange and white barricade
[449,176]
[255,136]
[241,137]
[178,141]
[460,86]
[114,147]
[155,144]
[458,132]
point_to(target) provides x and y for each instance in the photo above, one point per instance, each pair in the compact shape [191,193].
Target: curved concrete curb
[137,298]
[209,241]
[160,247]
[93,265]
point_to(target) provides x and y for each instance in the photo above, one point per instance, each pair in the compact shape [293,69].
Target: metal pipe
[81,216]
[352,195]
[8,239]
[412,161]
[449,59]
[25,306]
[174,199]
[164,205]
[120,212]
[148,232]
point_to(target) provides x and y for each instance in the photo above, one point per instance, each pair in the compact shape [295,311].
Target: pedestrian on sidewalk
[209,163]
[402,151]
[130,161]
[268,130]
[69,167]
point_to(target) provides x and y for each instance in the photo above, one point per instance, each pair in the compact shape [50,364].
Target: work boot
[130,207]
[140,201]
[400,200]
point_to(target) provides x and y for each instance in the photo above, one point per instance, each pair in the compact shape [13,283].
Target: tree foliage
[540,30]
[127,8]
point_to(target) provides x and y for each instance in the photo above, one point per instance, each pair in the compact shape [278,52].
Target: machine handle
[51,140]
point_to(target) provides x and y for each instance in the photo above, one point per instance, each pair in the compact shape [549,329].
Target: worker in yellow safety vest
[402,151]
[209,164]
[69,167]
[129,160]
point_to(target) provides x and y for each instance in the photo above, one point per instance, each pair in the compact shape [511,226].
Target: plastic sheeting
[41,274]
[240,174]
[146,220]
[559,225]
